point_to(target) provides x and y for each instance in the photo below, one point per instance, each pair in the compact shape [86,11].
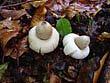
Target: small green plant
[63,26]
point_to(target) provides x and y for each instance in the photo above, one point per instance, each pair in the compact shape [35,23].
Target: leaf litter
[85,17]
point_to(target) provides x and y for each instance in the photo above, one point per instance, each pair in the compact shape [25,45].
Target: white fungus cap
[71,48]
[43,46]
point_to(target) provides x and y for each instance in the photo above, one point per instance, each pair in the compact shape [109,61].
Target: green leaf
[3,67]
[63,26]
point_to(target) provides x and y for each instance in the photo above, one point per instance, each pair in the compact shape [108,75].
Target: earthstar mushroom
[76,46]
[43,38]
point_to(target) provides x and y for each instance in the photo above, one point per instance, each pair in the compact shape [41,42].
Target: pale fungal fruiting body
[76,46]
[43,30]
[43,38]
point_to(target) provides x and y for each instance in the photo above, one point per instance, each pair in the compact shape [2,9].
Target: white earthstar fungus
[43,38]
[76,46]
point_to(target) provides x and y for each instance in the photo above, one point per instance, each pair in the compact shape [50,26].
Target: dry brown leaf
[97,72]
[14,14]
[30,80]
[108,1]
[20,48]
[103,36]
[50,3]
[9,30]
[70,13]
[54,78]
[10,24]
[6,35]
[34,3]
[17,49]
[26,5]
[71,71]
[5,23]
[37,3]
[39,15]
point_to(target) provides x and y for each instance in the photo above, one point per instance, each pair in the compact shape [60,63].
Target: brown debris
[54,78]
[97,72]
[39,15]
[14,14]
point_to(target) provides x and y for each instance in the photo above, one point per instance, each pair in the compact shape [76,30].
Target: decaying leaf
[87,70]
[104,35]
[70,12]
[37,3]
[17,49]
[13,41]
[6,35]
[11,30]
[10,24]
[72,72]
[20,48]
[105,73]
[39,15]
[54,78]
[97,72]
[5,23]
[29,80]
[26,5]
[14,14]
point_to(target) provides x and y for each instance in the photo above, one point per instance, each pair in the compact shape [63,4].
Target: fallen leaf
[50,3]
[14,14]
[37,3]
[6,35]
[87,70]
[9,38]
[9,30]
[98,71]
[30,80]
[70,12]
[54,78]
[26,5]
[104,35]
[39,15]
[34,3]
[72,72]
[10,24]
[105,74]
[20,48]
[5,23]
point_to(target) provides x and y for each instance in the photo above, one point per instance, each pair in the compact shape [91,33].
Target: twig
[12,5]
